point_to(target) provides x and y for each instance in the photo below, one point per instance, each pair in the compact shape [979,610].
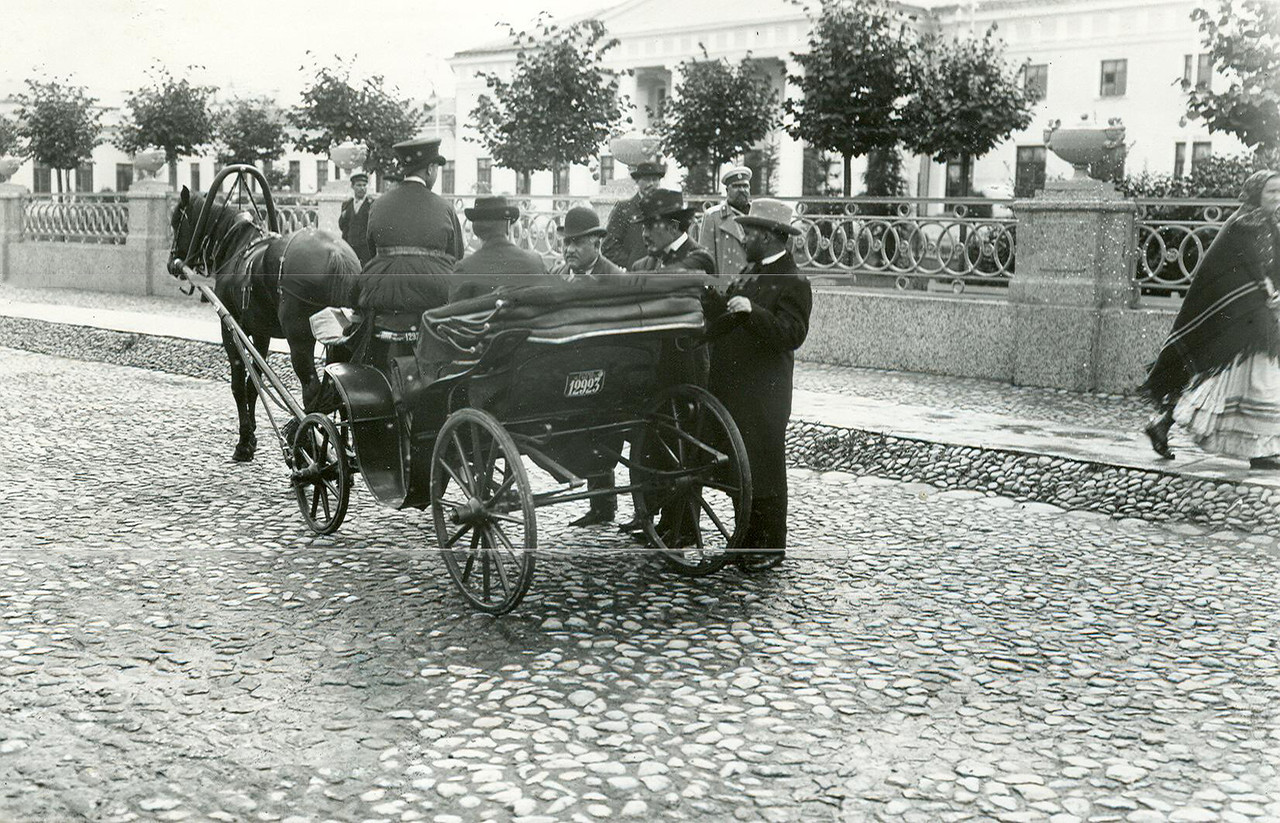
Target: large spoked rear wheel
[697,516]
[321,473]
[483,509]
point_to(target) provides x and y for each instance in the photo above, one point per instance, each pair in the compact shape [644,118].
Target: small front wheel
[483,509]
[321,473]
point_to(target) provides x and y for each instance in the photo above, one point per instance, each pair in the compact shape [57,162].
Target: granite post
[149,207]
[1076,257]
[10,223]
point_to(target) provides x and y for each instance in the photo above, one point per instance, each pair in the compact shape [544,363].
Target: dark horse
[271,285]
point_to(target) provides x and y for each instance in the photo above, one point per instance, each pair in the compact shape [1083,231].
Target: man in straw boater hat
[353,222]
[752,365]
[719,232]
[498,261]
[623,242]
[415,236]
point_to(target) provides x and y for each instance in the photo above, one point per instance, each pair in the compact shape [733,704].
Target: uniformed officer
[752,366]
[623,242]
[498,261]
[720,233]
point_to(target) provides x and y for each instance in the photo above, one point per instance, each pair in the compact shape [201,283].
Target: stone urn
[1084,143]
[348,155]
[8,166]
[633,149]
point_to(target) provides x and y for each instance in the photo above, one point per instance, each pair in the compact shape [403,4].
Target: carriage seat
[397,327]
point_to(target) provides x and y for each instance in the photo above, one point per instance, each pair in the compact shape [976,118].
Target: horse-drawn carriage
[506,405]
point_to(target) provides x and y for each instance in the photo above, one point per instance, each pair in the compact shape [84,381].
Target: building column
[1076,251]
[790,182]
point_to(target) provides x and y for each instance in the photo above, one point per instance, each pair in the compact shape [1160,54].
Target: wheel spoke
[324,501]
[732,491]
[481,468]
[510,518]
[315,501]
[501,569]
[501,490]
[461,485]
[693,521]
[459,533]
[714,517]
[463,467]
[484,560]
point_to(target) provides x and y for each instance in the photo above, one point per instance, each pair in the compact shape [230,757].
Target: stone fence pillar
[149,214]
[330,199]
[1076,256]
[10,223]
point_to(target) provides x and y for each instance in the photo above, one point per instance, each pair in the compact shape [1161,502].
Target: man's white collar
[678,242]
[772,258]
[416,179]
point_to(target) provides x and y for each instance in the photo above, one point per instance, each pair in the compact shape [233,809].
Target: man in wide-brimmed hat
[719,232]
[583,238]
[752,365]
[623,242]
[498,261]
[664,220]
[353,221]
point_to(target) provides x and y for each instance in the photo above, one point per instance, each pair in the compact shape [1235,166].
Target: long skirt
[1236,412]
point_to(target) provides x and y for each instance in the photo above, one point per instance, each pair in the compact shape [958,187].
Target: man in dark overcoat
[753,362]
[353,221]
[623,241]
[498,261]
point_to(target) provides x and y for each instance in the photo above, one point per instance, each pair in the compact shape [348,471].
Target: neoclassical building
[1101,58]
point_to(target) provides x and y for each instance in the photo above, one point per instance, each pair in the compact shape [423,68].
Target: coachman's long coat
[752,365]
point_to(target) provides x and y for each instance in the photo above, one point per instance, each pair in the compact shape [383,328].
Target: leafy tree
[8,136]
[1243,39]
[718,112]
[59,124]
[250,130]
[967,99]
[560,104]
[857,71]
[170,113]
[334,110]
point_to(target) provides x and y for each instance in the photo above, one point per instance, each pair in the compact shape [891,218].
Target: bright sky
[252,46]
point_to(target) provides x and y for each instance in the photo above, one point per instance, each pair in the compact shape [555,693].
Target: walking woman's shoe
[1267,463]
[1158,433]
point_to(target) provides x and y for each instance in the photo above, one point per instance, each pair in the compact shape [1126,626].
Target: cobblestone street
[174,645]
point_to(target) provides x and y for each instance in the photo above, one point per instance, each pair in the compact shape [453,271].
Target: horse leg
[240,386]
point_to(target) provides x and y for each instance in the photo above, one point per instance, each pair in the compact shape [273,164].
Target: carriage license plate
[584,383]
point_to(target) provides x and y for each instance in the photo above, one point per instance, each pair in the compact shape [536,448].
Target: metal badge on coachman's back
[584,383]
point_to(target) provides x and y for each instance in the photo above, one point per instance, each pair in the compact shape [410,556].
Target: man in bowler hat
[752,365]
[623,242]
[353,221]
[498,259]
[720,233]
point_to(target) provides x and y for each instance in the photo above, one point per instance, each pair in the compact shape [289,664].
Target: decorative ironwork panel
[536,228]
[296,216]
[76,218]
[1173,236]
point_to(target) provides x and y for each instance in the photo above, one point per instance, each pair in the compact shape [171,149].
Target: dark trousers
[767,528]
[606,505]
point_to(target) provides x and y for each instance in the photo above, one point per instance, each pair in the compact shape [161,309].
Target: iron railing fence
[300,215]
[79,217]
[1172,237]
[536,228]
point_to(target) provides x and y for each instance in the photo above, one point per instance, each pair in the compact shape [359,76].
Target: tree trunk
[848,175]
[58,174]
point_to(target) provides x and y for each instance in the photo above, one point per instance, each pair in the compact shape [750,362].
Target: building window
[124,176]
[1036,81]
[322,174]
[42,182]
[84,177]
[1179,159]
[1204,72]
[195,177]
[1187,64]
[560,180]
[448,177]
[484,175]
[1114,75]
[606,170]
[295,175]
[1200,151]
[524,182]
[1029,173]
[959,176]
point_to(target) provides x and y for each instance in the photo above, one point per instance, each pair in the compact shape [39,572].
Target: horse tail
[323,265]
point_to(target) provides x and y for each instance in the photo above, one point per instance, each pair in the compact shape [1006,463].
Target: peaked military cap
[419,152]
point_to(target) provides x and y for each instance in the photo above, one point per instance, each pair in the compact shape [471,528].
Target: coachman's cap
[581,221]
[496,207]
[737,174]
[359,177]
[649,168]
[774,215]
[663,204]
[418,152]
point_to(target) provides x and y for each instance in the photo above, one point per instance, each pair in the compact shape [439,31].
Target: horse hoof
[242,454]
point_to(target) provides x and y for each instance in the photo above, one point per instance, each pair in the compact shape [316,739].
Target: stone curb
[1118,491]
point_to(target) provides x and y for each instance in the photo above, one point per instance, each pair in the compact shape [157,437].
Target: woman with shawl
[1218,373]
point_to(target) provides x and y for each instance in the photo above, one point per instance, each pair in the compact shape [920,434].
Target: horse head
[182,225]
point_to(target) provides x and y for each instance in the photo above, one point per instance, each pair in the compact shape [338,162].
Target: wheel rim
[321,476]
[483,509]
[699,520]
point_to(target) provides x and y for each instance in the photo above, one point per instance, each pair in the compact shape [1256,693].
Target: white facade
[1071,38]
